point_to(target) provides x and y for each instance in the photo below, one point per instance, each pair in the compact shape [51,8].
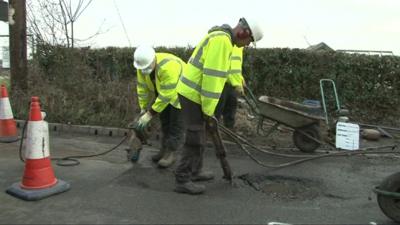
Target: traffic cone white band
[37,140]
[5,109]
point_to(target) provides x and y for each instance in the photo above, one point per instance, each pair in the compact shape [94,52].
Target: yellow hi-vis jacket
[205,75]
[235,77]
[167,72]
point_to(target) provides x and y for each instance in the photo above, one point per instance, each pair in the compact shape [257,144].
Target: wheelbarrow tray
[289,113]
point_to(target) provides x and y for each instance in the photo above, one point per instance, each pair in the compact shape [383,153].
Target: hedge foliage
[98,87]
[367,85]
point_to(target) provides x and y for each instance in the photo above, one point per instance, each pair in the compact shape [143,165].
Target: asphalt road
[111,190]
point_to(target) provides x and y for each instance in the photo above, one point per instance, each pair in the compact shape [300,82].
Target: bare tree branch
[81,11]
[64,22]
[53,21]
[97,33]
[78,7]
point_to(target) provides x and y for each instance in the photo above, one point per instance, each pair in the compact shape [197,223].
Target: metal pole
[18,45]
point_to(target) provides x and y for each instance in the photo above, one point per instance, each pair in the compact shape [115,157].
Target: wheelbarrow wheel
[389,205]
[304,143]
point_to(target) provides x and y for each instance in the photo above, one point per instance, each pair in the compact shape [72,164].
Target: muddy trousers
[172,128]
[191,161]
[227,106]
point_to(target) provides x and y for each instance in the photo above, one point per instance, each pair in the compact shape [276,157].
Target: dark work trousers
[172,128]
[227,106]
[191,161]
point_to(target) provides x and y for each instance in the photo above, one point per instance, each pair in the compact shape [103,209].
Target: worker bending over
[199,89]
[157,77]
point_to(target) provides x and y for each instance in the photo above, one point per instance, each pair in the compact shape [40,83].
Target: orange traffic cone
[39,180]
[8,126]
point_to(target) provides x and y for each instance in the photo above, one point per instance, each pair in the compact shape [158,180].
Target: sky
[342,24]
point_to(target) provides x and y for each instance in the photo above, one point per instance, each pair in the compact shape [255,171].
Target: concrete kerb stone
[82,129]
[122,132]
[95,130]
[55,127]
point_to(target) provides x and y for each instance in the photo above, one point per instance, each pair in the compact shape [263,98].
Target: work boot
[189,188]
[155,158]
[167,160]
[133,154]
[202,176]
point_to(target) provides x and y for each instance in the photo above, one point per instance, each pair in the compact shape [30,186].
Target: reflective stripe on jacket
[205,75]
[167,72]
[235,77]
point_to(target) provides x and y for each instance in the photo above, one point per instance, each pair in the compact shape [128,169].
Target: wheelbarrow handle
[251,100]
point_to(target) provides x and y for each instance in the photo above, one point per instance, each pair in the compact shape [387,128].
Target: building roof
[320,47]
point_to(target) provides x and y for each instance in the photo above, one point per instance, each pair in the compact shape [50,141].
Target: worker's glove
[239,90]
[144,120]
[243,83]
[210,120]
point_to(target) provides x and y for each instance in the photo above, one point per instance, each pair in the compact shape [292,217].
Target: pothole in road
[284,187]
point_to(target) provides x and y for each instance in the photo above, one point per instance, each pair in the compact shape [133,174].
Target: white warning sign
[6,57]
[347,136]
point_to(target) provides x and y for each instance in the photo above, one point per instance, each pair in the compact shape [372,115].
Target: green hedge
[97,86]
[367,85]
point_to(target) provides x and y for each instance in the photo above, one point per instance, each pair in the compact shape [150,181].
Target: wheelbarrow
[304,119]
[307,121]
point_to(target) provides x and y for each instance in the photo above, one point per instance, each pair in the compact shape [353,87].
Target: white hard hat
[255,29]
[143,57]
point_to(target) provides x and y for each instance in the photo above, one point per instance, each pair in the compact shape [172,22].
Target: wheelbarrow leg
[269,131]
